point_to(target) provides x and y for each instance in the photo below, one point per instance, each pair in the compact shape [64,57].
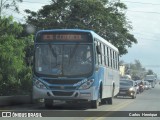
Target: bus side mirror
[98,49]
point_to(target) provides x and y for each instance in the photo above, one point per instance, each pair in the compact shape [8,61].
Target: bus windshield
[63,60]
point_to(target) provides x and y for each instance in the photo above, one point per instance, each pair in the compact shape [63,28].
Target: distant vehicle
[137,87]
[140,85]
[126,77]
[128,88]
[147,85]
[151,79]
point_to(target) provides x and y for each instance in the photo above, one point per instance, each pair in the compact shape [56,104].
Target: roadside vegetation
[136,70]
[16,39]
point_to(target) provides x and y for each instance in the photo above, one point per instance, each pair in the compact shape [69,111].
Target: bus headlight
[86,85]
[131,89]
[39,84]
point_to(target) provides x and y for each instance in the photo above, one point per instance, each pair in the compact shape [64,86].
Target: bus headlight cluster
[87,84]
[131,89]
[39,84]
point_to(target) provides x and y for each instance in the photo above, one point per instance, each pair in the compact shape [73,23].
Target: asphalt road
[149,101]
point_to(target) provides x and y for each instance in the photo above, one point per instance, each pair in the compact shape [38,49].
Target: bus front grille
[62,88]
[62,93]
[62,81]
[62,84]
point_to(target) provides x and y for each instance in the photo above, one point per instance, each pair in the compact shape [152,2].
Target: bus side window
[114,60]
[111,59]
[99,54]
[96,45]
[108,55]
[104,54]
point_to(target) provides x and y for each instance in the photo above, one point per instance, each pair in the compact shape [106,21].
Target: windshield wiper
[53,52]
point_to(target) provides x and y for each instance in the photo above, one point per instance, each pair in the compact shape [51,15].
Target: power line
[34,2]
[148,39]
[152,66]
[144,12]
[141,3]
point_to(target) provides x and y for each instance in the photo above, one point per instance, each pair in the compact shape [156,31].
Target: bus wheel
[94,104]
[48,103]
[109,100]
[104,101]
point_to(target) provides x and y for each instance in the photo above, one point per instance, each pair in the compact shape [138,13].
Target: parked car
[128,88]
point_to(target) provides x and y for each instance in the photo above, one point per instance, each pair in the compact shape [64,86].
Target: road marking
[113,108]
[119,106]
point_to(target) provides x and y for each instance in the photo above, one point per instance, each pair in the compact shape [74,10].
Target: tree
[9,4]
[105,18]
[15,75]
[11,56]
[136,70]
[150,72]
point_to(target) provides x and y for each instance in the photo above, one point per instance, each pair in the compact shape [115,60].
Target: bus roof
[104,41]
[95,35]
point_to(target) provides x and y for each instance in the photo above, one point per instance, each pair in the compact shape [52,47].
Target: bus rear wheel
[109,100]
[104,101]
[94,104]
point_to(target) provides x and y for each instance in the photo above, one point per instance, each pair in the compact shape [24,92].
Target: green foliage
[9,4]
[26,79]
[105,18]
[14,74]
[150,72]
[136,70]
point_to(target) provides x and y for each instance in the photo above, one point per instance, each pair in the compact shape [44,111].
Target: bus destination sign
[64,37]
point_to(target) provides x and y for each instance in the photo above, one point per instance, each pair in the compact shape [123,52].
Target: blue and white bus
[74,65]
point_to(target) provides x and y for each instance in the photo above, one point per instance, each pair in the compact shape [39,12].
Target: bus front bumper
[88,94]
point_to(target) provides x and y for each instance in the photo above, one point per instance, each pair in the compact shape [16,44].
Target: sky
[144,16]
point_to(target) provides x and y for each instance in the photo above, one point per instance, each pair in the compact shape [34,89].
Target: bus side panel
[110,77]
[116,81]
[99,77]
[107,86]
[107,76]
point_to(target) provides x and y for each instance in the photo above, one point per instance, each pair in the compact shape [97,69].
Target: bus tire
[48,103]
[104,101]
[94,104]
[134,96]
[110,101]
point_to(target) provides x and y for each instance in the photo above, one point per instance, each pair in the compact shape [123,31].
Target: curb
[13,100]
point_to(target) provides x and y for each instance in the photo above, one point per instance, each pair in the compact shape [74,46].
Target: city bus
[152,79]
[74,65]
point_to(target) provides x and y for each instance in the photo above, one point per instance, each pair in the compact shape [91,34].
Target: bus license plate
[122,92]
